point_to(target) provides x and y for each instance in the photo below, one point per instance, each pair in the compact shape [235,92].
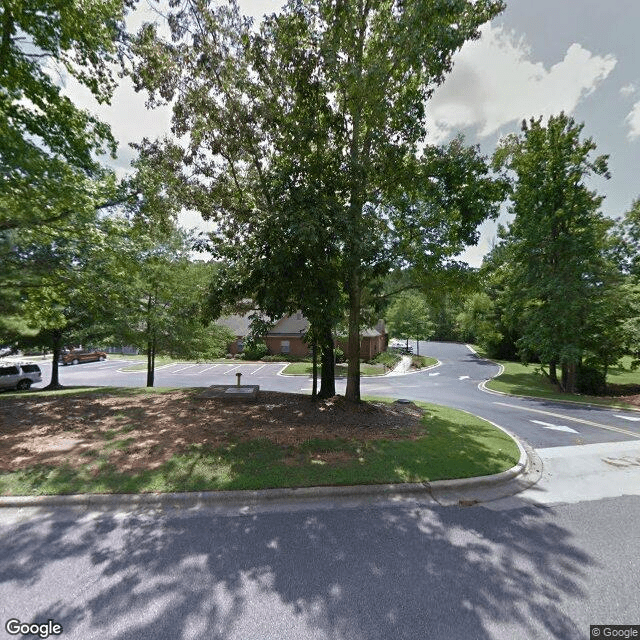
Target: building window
[284,346]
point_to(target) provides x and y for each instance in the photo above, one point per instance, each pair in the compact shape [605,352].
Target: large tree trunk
[327,354]
[353,361]
[151,345]
[572,378]
[569,377]
[57,348]
[357,198]
[314,367]
[151,361]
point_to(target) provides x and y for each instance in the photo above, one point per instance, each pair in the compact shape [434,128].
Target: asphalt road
[324,571]
[455,382]
[547,563]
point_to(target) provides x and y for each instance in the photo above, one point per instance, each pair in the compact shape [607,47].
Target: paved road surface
[546,563]
[454,383]
[331,571]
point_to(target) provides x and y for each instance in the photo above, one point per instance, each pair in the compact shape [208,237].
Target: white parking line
[183,368]
[258,369]
[211,367]
[232,368]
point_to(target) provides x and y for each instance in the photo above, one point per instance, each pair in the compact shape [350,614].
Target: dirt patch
[629,393]
[139,432]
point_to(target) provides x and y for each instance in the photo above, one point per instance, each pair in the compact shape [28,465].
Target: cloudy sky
[537,58]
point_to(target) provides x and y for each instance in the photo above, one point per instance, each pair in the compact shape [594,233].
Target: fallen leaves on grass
[137,432]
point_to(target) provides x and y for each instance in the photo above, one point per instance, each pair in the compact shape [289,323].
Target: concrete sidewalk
[401,368]
[583,472]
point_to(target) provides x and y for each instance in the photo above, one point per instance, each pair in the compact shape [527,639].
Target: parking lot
[117,372]
[220,369]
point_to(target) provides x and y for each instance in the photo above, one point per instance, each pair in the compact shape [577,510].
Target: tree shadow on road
[380,572]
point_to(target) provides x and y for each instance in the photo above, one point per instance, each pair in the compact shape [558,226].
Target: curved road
[455,383]
[544,564]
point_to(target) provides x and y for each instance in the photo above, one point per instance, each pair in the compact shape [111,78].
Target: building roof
[295,325]
[237,324]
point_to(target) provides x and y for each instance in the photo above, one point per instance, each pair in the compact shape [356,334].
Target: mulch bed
[143,431]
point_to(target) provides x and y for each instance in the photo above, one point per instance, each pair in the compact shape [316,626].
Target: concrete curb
[482,386]
[410,373]
[461,492]
[393,373]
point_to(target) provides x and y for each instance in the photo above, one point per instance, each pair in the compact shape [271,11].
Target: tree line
[303,138]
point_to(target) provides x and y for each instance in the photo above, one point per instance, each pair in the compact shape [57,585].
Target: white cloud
[628,89]
[495,82]
[633,120]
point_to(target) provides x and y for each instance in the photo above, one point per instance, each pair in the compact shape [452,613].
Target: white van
[19,375]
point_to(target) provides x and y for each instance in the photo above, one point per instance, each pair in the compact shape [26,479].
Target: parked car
[76,356]
[19,375]
[5,351]
[404,350]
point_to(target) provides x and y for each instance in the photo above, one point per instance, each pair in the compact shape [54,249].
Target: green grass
[97,391]
[420,362]
[454,445]
[527,380]
[306,369]
[623,374]
[141,362]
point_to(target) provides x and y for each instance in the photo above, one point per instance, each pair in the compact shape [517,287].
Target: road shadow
[382,572]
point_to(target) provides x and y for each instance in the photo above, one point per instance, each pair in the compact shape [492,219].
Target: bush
[340,357]
[284,357]
[387,358]
[590,381]
[418,362]
[254,351]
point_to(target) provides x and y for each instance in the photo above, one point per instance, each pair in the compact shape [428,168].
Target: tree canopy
[305,141]
[559,279]
[48,143]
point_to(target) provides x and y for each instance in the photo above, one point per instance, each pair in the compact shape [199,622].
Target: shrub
[417,362]
[284,357]
[590,381]
[340,357]
[387,358]
[254,350]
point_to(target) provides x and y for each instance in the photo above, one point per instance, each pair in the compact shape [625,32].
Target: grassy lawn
[446,444]
[420,362]
[141,361]
[306,369]
[623,374]
[527,380]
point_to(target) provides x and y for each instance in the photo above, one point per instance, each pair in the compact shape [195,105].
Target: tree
[408,317]
[556,243]
[626,241]
[73,288]
[49,144]
[625,252]
[161,309]
[372,65]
